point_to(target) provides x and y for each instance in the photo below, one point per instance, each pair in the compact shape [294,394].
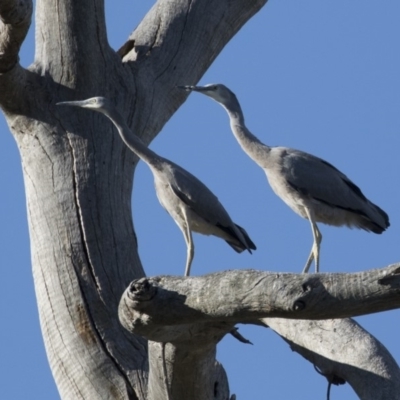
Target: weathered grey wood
[187,369]
[78,177]
[15,19]
[78,174]
[177,41]
[362,361]
[175,309]
[155,307]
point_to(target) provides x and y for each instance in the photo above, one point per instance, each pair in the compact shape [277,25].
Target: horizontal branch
[15,20]
[151,304]
[194,313]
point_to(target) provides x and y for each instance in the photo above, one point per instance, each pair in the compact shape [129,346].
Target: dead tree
[78,181]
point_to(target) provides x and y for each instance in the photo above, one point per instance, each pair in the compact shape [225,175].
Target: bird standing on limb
[189,202]
[310,186]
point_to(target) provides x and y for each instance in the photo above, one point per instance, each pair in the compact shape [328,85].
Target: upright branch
[175,43]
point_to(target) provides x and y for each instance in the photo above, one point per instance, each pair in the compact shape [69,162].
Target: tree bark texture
[78,174]
[248,295]
[179,310]
[78,179]
[343,351]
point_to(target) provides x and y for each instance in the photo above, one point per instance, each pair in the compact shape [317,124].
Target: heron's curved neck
[132,141]
[251,145]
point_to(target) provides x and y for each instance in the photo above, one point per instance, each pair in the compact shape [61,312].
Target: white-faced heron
[310,186]
[189,202]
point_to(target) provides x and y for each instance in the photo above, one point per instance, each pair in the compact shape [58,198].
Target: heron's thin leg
[314,254]
[319,240]
[309,261]
[187,233]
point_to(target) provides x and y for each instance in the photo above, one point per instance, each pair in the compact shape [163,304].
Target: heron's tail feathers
[378,220]
[242,242]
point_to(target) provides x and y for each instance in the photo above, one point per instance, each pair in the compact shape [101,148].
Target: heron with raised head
[310,186]
[187,200]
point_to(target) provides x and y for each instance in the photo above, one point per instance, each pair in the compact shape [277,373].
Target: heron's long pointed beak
[77,103]
[189,88]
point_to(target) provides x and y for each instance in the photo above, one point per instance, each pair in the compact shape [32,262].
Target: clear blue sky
[318,76]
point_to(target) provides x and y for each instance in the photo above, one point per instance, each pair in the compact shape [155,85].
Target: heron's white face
[95,103]
[216,91]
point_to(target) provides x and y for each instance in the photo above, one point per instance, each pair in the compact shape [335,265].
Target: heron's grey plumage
[189,202]
[310,186]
